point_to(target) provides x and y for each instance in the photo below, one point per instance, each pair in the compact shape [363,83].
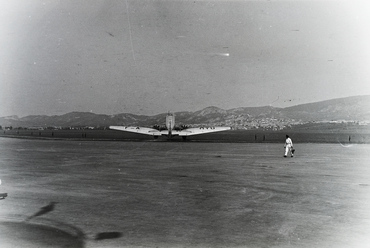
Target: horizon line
[212,106]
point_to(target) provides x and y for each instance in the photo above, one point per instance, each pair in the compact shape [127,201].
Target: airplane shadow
[73,231]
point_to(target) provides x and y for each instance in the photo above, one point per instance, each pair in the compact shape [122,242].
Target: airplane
[170,130]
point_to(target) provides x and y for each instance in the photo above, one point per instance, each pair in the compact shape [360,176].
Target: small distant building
[36,128]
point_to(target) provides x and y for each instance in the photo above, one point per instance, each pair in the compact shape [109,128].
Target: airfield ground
[312,135]
[183,194]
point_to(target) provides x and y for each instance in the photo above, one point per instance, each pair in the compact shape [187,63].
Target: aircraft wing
[199,130]
[141,130]
[155,132]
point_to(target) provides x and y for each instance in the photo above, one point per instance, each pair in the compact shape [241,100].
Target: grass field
[183,194]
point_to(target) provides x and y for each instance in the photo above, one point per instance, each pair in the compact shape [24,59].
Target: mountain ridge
[348,109]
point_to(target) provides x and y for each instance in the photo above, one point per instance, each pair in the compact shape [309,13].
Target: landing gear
[183,138]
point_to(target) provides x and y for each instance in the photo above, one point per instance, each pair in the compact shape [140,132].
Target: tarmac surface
[183,194]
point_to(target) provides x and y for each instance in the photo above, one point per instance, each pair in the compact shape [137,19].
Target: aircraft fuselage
[170,123]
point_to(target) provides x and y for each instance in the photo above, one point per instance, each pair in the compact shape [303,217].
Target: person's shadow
[3,195]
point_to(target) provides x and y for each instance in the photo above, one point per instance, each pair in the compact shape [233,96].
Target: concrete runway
[183,194]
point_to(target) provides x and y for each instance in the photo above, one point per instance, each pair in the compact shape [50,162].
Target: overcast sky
[150,57]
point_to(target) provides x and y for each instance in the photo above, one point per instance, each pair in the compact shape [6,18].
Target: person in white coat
[288,146]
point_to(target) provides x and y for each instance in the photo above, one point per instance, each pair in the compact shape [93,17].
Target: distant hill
[349,109]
